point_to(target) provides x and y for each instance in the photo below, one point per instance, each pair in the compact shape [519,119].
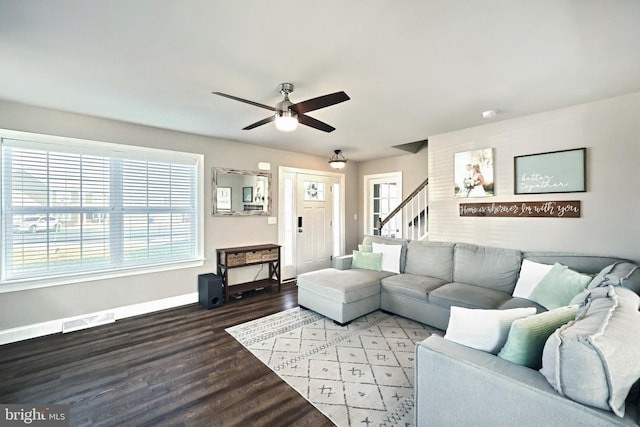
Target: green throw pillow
[527,336]
[558,287]
[367,260]
[365,248]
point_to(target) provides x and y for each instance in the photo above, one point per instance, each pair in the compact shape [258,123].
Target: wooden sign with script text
[554,209]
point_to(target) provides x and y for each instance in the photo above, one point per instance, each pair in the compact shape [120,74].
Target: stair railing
[413,210]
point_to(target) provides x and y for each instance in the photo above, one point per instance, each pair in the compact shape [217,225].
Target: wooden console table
[243,256]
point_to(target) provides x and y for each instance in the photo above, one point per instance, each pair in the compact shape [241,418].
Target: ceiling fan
[288,115]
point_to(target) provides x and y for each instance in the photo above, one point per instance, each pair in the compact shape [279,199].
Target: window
[314,191]
[76,207]
[288,212]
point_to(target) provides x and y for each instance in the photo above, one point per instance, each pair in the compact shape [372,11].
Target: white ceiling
[412,68]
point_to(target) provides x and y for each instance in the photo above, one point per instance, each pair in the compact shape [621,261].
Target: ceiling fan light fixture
[337,161]
[286,118]
[287,115]
[489,114]
[286,121]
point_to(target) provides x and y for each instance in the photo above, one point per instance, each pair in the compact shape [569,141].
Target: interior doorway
[311,219]
[383,193]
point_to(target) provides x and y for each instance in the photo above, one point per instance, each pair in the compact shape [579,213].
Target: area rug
[361,374]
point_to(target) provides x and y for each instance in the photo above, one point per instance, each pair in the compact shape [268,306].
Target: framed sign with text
[554,172]
[534,209]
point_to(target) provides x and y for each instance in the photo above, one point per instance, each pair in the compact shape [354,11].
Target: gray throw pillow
[623,274]
[594,360]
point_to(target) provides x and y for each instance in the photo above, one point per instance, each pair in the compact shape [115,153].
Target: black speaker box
[210,290]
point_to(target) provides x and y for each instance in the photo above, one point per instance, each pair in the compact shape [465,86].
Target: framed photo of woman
[473,173]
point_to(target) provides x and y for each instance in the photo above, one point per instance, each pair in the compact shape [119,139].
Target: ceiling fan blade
[257,104]
[314,123]
[319,102]
[260,123]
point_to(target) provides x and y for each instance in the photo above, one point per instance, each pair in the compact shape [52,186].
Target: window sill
[27,284]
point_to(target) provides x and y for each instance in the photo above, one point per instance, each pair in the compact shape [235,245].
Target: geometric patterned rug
[361,374]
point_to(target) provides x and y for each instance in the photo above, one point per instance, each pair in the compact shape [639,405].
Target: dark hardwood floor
[174,367]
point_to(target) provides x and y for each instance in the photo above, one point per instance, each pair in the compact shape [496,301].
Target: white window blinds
[74,209]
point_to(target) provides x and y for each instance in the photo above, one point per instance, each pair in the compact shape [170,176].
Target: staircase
[412,213]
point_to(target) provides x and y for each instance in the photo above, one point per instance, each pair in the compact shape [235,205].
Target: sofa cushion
[531,273]
[343,286]
[412,285]
[434,259]
[367,261]
[558,287]
[469,296]
[527,336]
[621,273]
[485,330]
[493,268]
[594,360]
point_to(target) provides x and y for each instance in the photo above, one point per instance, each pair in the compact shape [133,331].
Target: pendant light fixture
[337,161]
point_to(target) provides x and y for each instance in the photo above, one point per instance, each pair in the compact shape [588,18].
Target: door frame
[367,209]
[283,172]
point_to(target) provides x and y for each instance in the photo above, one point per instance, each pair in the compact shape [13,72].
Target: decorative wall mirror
[240,192]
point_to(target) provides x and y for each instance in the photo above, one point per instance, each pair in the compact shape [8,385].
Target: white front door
[315,201]
[314,222]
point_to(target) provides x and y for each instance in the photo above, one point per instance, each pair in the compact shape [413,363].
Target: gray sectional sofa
[461,386]
[433,277]
[458,385]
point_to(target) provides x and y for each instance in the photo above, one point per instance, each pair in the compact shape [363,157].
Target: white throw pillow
[390,256]
[531,273]
[485,330]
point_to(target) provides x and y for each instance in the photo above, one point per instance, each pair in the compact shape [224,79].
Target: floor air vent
[88,321]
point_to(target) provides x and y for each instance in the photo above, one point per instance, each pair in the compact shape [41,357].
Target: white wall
[610,222]
[44,304]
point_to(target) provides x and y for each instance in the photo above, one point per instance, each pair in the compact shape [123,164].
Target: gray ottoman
[341,295]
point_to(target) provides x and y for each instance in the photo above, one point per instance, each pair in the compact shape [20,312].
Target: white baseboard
[30,331]
[157,305]
[55,326]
